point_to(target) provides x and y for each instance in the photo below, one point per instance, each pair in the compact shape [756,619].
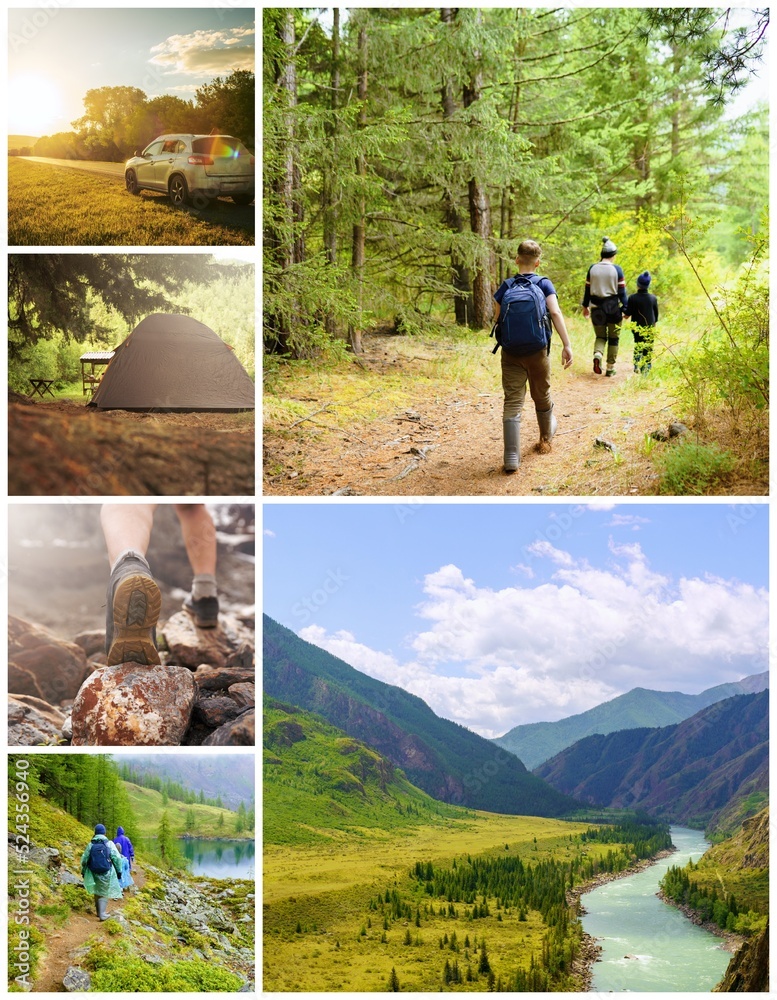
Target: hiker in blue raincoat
[125,879]
[124,844]
[101,870]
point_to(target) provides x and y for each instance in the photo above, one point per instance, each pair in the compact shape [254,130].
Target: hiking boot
[511,427]
[597,366]
[548,426]
[609,372]
[204,610]
[134,603]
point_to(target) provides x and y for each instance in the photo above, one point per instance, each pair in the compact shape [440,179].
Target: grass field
[148,808]
[322,934]
[57,206]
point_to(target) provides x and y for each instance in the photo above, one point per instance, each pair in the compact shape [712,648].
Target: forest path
[63,941]
[459,438]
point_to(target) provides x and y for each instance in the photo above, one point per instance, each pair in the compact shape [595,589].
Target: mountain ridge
[442,758]
[697,772]
[536,742]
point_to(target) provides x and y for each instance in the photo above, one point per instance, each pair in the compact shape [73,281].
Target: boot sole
[137,603]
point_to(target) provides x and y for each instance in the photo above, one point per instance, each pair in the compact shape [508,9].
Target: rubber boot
[102,907]
[512,439]
[548,425]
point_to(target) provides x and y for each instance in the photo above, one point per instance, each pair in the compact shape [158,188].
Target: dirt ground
[63,449]
[450,443]
[61,944]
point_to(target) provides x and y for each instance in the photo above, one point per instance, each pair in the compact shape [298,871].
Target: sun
[34,105]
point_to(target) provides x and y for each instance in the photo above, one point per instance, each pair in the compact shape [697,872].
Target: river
[668,952]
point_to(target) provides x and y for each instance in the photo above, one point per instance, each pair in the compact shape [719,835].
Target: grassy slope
[53,206]
[148,808]
[174,942]
[341,787]
[740,865]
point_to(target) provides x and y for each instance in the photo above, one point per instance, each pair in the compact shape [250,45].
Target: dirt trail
[451,445]
[61,944]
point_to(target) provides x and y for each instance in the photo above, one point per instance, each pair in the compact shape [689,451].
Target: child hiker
[642,310]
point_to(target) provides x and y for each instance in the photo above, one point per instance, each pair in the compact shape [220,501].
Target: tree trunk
[454,221]
[359,229]
[480,222]
[328,194]
[284,235]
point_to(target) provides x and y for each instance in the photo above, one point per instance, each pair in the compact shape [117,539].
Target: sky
[56,54]
[503,614]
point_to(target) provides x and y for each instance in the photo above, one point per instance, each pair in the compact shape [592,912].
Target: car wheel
[179,193]
[131,180]
[242,199]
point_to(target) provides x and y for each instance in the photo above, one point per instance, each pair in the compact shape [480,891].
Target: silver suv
[194,169]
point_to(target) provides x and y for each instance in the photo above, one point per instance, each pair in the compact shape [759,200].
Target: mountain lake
[647,945]
[217,858]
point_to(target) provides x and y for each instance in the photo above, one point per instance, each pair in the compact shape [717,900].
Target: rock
[243,694]
[153,959]
[32,721]
[659,435]
[77,980]
[748,970]
[248,988]
[601,442]
[190,646]
[217,711]
[243,656]
[239,733]
[67,727]
[46,857]
[677,429]
[40,664]
[134,705]
[220,678]
[65,878]
[92,641]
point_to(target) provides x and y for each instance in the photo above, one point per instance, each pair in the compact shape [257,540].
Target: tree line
[118,121]
[407,152]
[494,886]
[86,786]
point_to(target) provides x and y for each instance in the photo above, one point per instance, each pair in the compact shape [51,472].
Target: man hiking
[101,871]
[524,306]
[605,291]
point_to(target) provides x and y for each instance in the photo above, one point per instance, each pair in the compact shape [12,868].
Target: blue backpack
[523,326]
[99,858]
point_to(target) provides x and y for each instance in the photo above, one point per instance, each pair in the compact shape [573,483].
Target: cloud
[206,52]
[268,533]
[492,659]
[633,521]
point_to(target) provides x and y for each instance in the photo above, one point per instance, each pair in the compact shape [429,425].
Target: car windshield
[219,145]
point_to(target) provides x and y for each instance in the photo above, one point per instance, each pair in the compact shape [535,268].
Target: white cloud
[203,53]
[268,533]
[493,659]
[633,521]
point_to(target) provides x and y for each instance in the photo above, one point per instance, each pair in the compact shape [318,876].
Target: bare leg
[199,537]
[127,526]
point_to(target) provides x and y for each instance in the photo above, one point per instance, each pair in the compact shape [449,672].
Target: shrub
[693,469]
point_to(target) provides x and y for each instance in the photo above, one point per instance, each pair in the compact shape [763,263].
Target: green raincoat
[102,885]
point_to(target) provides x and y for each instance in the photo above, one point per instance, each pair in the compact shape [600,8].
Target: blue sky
[501,614]
[56,54]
